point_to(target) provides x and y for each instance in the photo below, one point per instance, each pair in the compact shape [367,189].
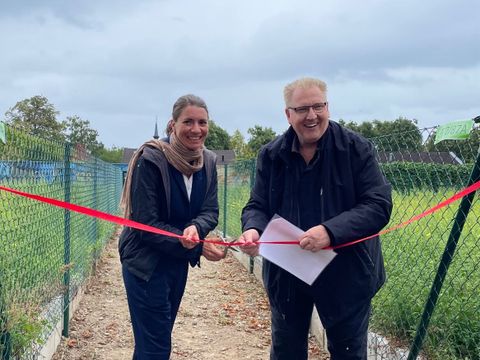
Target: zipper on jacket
[295,206]
[289,296]
[322,206]
[369,258]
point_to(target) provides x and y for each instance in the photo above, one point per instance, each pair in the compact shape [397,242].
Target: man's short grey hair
[181,103]
[304,83]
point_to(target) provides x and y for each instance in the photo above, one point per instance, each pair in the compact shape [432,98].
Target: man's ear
[287,113]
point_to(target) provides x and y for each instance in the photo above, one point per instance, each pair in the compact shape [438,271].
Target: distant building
[155,133]
[127,155]
[224,156]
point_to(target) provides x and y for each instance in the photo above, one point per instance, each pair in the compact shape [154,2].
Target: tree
[403,134]
[365,128]
[400,134]
[37,117]
[78,131]
[218,138]
[113,155]
[237,143]
[259,137]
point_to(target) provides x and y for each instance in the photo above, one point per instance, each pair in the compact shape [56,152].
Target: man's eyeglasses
[302,110]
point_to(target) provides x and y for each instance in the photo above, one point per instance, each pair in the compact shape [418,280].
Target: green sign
[458,130]
[3,138]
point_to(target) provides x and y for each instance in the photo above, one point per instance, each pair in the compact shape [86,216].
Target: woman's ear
[170,126]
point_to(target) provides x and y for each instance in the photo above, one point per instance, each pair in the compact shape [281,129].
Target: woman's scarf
[181,158]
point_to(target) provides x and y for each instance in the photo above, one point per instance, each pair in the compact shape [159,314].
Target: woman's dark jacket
[354,201]
[140,251]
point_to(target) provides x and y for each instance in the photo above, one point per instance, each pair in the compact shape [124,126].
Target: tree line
[38,117]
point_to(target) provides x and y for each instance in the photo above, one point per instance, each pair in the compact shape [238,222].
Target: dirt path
[224,315]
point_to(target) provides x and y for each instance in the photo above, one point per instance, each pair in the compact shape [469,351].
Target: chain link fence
[428,307]
[432,294]
[413,314]
[46,253]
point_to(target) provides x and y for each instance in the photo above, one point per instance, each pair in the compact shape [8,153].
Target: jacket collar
[281,147]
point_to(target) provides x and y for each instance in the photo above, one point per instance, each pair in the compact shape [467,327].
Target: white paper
[304,264]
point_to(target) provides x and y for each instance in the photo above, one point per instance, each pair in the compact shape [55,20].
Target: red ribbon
[133,224]
[91,212]
[457,196]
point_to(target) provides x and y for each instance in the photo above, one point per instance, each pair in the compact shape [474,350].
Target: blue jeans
[153,307]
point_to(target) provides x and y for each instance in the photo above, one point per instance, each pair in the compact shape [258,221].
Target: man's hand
[212,252]
[190,237]
[315,239]
[249,242]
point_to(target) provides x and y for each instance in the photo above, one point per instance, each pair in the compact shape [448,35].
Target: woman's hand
[190,237]
[212,252]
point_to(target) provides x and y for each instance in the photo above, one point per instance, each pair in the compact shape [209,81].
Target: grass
[32,261]
[32,253]
[412,255]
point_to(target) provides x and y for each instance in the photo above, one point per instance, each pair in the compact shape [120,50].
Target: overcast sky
[121,64]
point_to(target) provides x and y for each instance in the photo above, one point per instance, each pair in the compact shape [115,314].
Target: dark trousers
[153,308]
[347,339]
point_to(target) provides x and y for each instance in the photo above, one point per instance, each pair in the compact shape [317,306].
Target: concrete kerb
[50,347]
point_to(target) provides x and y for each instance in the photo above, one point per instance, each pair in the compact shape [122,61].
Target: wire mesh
[46,253]
[422,174]
[236,191]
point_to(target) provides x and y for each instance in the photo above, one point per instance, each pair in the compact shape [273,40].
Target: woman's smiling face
[191,127]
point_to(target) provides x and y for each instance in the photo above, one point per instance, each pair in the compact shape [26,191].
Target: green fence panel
[234,184]
[37,280]
[422,175]
[46,253]
[448,254]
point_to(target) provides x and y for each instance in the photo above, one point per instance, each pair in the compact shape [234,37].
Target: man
[324,179]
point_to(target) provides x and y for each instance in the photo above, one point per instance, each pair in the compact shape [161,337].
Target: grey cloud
[388,36]
[121,63]
[86,14]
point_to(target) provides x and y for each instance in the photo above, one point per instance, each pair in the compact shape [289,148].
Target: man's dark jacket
[140,251]
[355,202]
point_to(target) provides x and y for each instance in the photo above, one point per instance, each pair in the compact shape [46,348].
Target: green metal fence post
[252,180]
[66,274]
[225,200]
[447,257]
[5,341]
[95,204]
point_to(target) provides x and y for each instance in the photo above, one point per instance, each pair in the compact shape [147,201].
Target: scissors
[225,250]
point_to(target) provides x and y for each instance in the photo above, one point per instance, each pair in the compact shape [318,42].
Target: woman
[171,184]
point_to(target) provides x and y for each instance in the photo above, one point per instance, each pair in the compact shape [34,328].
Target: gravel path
[224,315]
